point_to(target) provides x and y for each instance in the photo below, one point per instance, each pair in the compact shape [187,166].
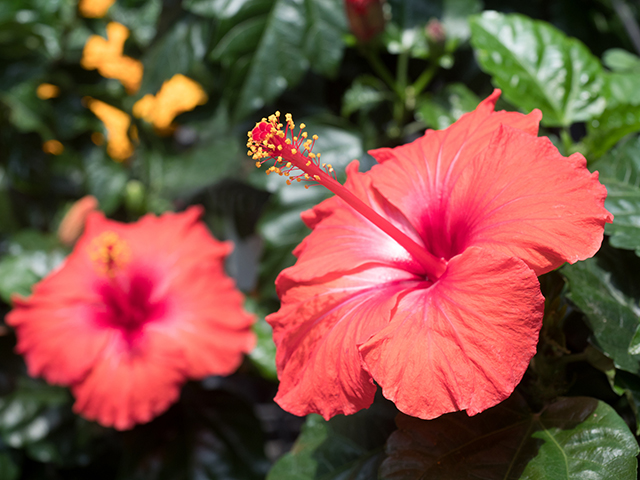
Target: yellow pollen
[258,164]
[294,151]
[109,253]
[302,126]
[288,163]
[280,147]
[317,177]
[306,176]
[315,137]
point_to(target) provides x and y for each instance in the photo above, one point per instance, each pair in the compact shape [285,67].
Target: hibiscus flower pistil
[292,153]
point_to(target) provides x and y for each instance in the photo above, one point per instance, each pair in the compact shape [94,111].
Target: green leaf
[8,469]
[365,93]
[607,292]
[339,449]
[180,50]
[571,439]
[29,413]
[537,66]
[209,434]
[30,256]
[623,89]
[630,385]
[106,179]
[610,127]
[620,60]
[620,173]
[263,355]
[220,9]
[441,110]
[296,36]
[141,21]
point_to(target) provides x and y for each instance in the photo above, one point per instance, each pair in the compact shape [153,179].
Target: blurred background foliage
[361,75]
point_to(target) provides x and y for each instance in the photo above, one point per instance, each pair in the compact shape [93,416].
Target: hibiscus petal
[524,199]
[316,334]
[343,240]
[46,328]
[419,178]
[128,387]
[463,343]
[210,324]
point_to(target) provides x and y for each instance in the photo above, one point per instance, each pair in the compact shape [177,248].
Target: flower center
[109,253]
[293,153]
[128,305]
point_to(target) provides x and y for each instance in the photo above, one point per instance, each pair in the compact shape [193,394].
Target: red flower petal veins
[462,343]
[317,331]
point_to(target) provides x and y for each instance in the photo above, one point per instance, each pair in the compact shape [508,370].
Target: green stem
[425,78]
[381,69]
[567,141]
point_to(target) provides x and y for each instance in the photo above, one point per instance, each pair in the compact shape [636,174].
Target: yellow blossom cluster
[106,56]
[177,95]
[117,123]
[94,8]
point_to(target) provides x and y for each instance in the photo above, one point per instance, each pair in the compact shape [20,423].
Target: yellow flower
[177,95]
[54,147]
[94,8]
[117,123]
[45,91]
[106,56]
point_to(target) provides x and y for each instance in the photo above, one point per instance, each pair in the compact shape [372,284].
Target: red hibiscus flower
[134,311]
[421,274]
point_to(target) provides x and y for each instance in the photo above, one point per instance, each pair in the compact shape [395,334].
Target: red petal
[524,199]
[128,387]
[46,329]
[316,332]
[344,240]
[462,344]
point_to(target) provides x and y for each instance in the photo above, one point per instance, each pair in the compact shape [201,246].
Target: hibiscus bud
[134,196]
[436,36]
[72,223]
[366,18]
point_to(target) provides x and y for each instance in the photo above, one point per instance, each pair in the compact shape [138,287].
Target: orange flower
[106,56]
[54,147]
[117,123]
[45,91]
[94,8]
[177,95]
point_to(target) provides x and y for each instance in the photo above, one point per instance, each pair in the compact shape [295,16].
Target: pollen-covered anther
[109,253]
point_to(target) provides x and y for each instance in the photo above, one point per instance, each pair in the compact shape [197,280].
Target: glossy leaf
[620,60]
[537,66]
[290,38]
[606,291]
[610,127]
[573,438]
[29,413]
[209,434]
[441,110]
[31,256]
[339,449]
[8,469]
[620,173]
[263,355]
[106,180]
